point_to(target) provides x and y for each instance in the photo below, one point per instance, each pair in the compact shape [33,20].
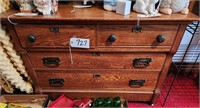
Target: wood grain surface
[105,69]
[103,61]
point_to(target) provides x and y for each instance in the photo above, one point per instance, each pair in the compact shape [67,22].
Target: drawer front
[47,36]
[96,79]
[80,94]
[62,60]
[124,36]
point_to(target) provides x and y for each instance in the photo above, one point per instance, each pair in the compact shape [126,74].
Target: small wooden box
[34,101]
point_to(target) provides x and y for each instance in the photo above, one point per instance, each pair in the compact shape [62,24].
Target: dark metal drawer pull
[137,29]
[141,62]
[56,82]
[96,75]
[51,61]
[31,38]
[112,38]
[160,38]
[136,83]
[96,54]
[54,29]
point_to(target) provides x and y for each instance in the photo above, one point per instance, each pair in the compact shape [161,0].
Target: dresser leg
[155,96]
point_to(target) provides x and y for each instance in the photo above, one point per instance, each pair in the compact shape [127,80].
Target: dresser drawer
[48,36]
[124,36]
[103,93]
[87,60]
[98,79]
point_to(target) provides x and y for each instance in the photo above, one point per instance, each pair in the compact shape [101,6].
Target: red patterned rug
[184,93]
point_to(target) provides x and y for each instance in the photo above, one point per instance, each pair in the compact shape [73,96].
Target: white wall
[194,48]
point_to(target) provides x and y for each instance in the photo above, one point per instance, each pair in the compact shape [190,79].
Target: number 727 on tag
[79,43]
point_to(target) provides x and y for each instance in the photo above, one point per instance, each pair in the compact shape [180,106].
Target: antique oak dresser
[123,59]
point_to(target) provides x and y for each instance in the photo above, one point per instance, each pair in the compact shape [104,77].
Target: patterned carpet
[184,93]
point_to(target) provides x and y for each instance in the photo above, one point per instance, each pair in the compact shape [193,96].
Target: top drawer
[48,36]
[152,36]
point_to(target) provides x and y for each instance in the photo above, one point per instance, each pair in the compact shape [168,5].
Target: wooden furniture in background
[122,59]
[194,7]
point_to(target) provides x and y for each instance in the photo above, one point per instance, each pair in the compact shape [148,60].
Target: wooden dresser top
[95,13]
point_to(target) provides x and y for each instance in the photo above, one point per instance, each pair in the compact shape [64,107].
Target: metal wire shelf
[183,84]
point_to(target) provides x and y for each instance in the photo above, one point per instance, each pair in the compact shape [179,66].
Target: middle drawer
[96,60]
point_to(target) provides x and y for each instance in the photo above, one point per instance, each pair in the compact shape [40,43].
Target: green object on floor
[107,102]
[116,102]
[98,102]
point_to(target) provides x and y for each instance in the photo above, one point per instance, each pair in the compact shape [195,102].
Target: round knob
[160,38]
[31,38]
[112,38]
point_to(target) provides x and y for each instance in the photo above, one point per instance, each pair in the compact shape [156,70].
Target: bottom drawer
[98,79]
[79,94]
